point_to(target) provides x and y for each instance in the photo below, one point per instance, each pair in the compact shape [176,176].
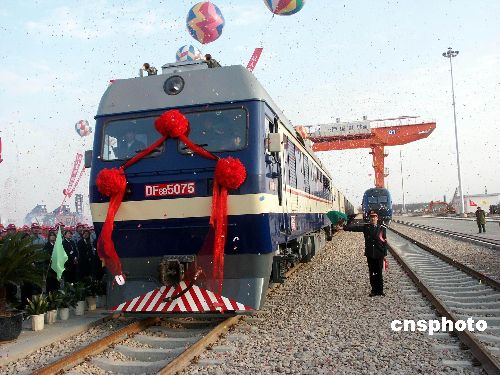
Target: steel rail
[490,364]
[462,267]
[96,347]
[488,242]
[187,356]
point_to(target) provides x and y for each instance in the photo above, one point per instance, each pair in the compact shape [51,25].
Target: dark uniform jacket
[71,266]
[212,63]
[52,282]
[375,238]
[480,217]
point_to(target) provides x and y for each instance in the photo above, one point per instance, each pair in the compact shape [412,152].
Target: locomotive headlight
[173,85]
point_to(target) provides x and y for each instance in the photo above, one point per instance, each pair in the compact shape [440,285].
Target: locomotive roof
[202,86]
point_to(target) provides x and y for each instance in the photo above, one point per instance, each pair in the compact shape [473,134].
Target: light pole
[402,181]
[449,54]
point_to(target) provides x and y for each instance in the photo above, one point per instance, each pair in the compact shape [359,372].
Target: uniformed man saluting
[375,250]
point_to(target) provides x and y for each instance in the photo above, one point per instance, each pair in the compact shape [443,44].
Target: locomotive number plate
[164,190]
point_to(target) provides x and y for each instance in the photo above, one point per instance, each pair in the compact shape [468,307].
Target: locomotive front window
[123,139]
[382,199]
[224,130]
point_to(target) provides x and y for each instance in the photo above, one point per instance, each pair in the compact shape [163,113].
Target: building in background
[490,203]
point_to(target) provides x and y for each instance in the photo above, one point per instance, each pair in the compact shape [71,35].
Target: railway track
[457,293]
[488,242]
[152,345]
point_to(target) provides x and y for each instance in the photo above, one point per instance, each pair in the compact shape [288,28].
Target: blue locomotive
[378,200]
[277,217]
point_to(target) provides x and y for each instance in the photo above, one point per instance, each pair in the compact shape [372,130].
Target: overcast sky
[333,59]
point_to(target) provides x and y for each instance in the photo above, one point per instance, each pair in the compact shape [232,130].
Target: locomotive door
[290,206]
[281,174]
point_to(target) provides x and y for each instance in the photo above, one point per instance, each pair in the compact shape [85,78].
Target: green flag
[336,216]
[59,256]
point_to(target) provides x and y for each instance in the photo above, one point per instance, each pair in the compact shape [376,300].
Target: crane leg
[378,164]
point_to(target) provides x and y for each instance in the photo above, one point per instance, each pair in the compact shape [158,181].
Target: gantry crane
[373,134]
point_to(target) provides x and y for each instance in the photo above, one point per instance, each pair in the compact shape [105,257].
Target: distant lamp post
[449,54]
[403,210]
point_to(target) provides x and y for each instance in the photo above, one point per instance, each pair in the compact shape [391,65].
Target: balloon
[284,7]
[83,128]
[188,53]
[205,22]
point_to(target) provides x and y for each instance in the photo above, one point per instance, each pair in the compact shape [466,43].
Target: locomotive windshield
[125,138]
[224,130]
[376,202]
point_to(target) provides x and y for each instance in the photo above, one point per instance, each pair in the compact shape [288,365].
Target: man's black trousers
[375,268]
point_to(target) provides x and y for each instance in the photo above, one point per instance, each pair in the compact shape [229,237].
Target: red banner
[254,59]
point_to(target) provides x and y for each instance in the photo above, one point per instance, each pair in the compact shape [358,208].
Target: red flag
[254,59]
[472,204]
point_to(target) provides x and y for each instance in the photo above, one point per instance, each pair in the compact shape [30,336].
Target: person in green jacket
[481,219]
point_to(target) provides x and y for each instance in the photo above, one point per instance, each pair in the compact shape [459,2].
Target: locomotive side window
[224,130]
[307,186]
[123,139]
[272,125]
[292,165]
[326,187]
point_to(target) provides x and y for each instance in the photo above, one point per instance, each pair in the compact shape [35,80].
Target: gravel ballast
[53,352]
[479,258]
[321,321]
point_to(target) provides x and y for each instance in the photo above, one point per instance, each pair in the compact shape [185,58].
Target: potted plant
[36,308]
[65,299]
[91,292]
[18,259]
[79,292]
[51,315]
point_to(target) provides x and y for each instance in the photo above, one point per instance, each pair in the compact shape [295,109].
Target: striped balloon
[83,128]
[205,22]
[284,7]
[188,53]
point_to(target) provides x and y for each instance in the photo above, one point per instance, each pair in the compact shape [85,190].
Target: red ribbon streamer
[218,220]
[111,183]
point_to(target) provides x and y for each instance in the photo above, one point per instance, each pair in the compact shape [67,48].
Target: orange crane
[373,134]
[438,207]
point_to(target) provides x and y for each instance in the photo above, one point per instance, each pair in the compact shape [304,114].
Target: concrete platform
[30,341]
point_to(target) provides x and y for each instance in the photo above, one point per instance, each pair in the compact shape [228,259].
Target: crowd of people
[79,244]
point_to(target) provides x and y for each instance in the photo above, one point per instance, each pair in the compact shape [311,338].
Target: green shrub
[37,306]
